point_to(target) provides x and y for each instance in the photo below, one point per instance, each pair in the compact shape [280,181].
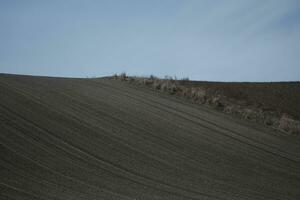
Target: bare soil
[64,138]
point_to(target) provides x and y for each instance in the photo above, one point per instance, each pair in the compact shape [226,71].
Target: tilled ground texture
[274,104]
[106,139]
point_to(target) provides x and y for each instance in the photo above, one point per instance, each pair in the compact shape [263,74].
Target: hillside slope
[105,139]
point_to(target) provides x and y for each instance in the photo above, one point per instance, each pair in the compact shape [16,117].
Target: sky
[214,40]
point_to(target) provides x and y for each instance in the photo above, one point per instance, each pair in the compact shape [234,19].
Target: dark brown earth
[274,104]
[64,138]
[282,97]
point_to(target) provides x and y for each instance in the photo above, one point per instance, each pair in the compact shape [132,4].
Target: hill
[66,138]
[274,104]
[282,97]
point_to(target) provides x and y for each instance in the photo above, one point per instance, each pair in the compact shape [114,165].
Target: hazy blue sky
[229,40]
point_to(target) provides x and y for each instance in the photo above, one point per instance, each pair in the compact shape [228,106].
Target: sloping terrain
[276,104]
[279,96]
[105,139]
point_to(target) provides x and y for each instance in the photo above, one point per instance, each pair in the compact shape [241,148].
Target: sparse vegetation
[273,104]
[123,76]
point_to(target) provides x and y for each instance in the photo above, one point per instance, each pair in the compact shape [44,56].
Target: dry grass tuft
[261,102]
